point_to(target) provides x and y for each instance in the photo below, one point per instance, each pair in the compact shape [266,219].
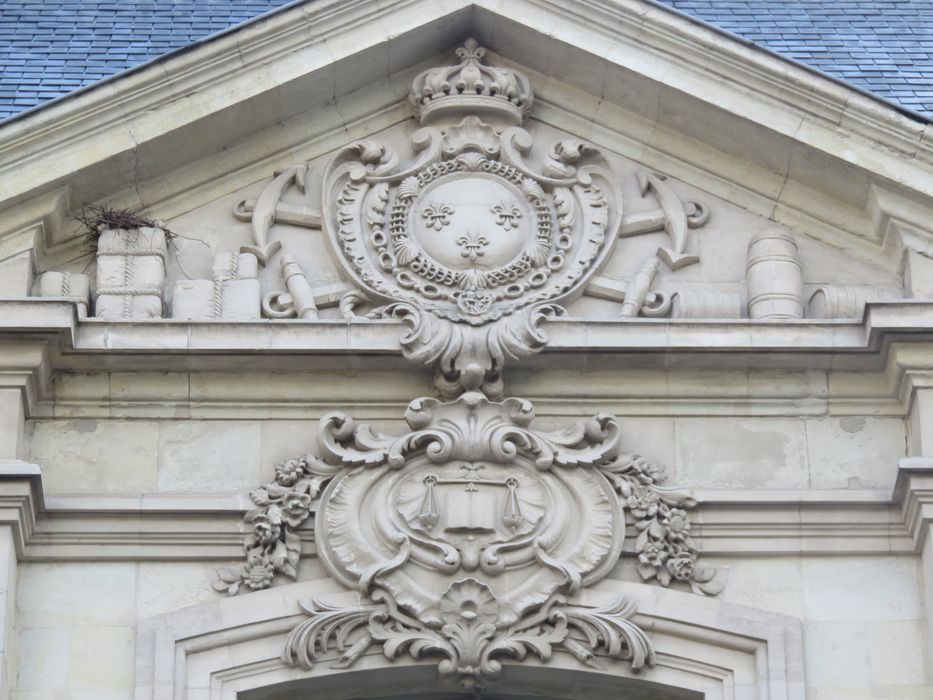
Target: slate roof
[49,48]
[882,46]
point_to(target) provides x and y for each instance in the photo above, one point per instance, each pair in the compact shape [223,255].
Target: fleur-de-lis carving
[472,245]
[437,216]
[507,215]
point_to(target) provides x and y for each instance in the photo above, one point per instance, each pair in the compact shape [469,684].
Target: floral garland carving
[665,550]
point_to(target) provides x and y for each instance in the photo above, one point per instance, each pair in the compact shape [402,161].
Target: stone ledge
[57,321]
[171,527]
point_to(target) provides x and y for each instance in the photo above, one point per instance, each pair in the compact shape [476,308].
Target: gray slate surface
[882,46]
[49,48]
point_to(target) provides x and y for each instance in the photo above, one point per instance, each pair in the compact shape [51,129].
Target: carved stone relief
[473,537]
[470,538]
[130,273]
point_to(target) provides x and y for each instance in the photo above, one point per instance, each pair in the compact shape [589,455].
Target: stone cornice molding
[208,527]
[25,364]
[21,501]
[56,322]
[122,121]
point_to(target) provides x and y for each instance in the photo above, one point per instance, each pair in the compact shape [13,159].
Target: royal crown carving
[495,92]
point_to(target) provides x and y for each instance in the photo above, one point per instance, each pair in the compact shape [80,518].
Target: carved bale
[130,273]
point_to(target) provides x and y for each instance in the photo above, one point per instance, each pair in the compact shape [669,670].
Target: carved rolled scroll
[774,277]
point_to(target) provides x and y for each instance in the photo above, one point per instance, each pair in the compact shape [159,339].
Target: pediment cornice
[795,146]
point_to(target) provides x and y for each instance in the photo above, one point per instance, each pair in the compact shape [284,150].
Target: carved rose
[267,528]
[681,567]
[676,524]
[289,472]
[647,472]
[643,503]
[296,508]
[653,555]
[259,576]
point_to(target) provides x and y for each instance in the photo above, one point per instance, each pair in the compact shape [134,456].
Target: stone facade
[468,347]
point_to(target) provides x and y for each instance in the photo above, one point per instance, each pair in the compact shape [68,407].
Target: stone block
[67,594]
[168,586]
[837,654]
[864,588]
[896,653]
[43,659]
[16,274]
[740,453]
[12,434]
[863,448]
[108,456]
[768,584]
[918,275]
[209,456]
[102,658]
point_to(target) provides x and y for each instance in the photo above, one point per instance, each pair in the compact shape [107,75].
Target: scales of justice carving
[472,538]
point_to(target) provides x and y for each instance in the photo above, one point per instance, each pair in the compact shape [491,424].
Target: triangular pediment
[759,143]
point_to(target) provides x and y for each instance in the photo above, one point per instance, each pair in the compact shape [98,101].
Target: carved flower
[681,567]
[676,524]
[259,576]
[647,472]
[643,503]
[468,601]
[295,508]
[653,554]
[266,529]
[288,473]
[474,301]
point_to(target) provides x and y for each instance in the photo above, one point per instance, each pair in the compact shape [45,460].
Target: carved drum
[774,277]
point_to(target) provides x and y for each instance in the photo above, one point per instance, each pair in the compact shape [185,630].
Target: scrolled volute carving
[470,538]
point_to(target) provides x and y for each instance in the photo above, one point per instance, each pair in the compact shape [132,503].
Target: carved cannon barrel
[691,303]
[774,277]
[841,301]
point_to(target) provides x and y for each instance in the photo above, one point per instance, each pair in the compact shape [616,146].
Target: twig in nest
[94,219]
